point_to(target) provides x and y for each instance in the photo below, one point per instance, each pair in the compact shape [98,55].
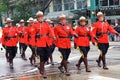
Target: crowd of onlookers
[113,37]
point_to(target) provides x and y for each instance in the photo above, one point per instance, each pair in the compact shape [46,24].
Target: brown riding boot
[86,64]
[11,64]
[104,63]
[61,67]
[42,70]
[66,68]
[23,56]
[79,63]
[98,61]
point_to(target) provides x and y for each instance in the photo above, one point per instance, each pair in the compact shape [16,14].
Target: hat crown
[31,19]
[39,13]
[62,16]
[82,18]
[48,20]
[9,19]
[99,13]
[21,20]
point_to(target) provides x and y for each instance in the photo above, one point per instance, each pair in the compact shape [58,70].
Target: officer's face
[63,21]
[22,24]
[83,22]
[9,24]
[40,18]
[100,18]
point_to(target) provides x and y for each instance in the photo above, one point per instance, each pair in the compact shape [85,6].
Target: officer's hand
[117,34]
[75,35]
[93,43]
[96,38]
[54,38]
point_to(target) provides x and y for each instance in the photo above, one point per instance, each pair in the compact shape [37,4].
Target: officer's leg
[42,53]
[20,48]
[61,64]
[67,53]
[52,50]
[100,56]
[85,52]
[80,60]
[10,51]
[32,58]
[105,49]
[24,49]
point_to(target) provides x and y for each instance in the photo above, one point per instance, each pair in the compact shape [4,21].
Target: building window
[81,4]
[57,5]
[114,2]
[68,4]
[104,2]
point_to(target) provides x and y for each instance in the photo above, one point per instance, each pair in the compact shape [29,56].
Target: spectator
[111,36]
[117,28]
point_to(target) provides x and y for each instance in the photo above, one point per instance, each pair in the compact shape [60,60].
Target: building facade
[111,9]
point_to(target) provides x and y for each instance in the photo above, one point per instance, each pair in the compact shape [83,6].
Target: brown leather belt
[64,37]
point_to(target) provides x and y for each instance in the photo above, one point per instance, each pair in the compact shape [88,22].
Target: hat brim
[62,17]
[100,15]
[22,22]
[39,16]
[83,20]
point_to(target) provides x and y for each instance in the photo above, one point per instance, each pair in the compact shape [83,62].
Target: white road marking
[101,78]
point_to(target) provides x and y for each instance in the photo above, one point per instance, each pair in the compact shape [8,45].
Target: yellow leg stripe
[81,52]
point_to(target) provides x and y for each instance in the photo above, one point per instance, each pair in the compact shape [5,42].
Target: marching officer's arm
[51,32]
[73,33]
[111,29]
[93,34]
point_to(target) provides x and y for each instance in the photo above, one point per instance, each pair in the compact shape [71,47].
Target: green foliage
[4,5]
[23,11]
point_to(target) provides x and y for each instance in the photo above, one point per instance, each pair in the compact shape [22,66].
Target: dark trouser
[52,48]
[44,53]
[6,54]
[65,55]
[84,51]
[103,47]
[32,58]
[12,53]
[20,48]
[23,48]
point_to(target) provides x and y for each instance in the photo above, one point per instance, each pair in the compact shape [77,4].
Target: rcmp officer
[43,30]
[3,41]
[101,29]
[11,38]
[52,47]
[63,32]
[83,42]
[31,39]
[23,38]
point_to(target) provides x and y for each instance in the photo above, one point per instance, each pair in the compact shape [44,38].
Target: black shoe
[98,63]
[11,66]
[67,73]
[78,67]
[61,69]
[105,68]
[25,59]
[31,61]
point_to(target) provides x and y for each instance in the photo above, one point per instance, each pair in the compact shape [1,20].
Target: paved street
[24,69]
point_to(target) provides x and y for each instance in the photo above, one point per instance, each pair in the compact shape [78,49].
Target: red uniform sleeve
[93,32]
[111,29]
